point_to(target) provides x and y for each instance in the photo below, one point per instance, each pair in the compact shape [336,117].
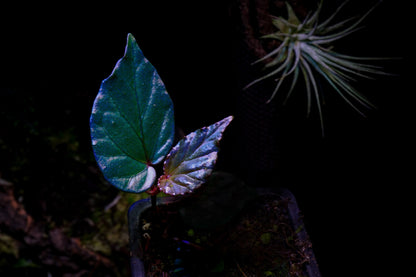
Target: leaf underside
[192,160]
[132,122]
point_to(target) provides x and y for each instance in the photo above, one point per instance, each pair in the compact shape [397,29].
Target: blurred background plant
[53,62]
[305,48]
[52,190]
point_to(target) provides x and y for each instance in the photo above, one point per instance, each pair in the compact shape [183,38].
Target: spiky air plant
[306,50]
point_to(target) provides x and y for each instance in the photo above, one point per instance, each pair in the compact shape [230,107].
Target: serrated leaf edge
[167,177]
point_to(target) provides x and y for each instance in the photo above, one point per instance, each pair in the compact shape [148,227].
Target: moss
[111,226]
[8,246]
[99,244]
[259,241]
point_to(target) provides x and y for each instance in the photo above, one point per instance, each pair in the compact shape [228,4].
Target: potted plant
[132,131]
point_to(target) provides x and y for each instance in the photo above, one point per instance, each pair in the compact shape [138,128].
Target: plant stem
[153,199]
[239,268]
[153,192]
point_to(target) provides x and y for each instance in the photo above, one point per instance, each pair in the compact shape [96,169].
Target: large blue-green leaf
[192,160]
[132,123]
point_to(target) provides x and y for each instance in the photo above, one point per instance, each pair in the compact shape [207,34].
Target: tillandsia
[306,50]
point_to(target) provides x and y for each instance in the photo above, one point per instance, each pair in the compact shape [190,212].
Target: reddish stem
[153,192]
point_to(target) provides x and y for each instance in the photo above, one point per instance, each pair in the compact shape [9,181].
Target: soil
[260,241]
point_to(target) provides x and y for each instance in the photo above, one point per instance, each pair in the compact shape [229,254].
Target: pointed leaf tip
[192,160]
[132,122]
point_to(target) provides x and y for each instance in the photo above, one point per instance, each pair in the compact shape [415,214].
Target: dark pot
[293,213]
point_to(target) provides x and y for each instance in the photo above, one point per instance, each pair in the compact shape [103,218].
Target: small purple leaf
[192,160]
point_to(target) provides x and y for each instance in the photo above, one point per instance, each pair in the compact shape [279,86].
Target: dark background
[353,185]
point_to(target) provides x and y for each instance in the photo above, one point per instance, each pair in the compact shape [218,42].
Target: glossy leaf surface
[132,122]
[192,160]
